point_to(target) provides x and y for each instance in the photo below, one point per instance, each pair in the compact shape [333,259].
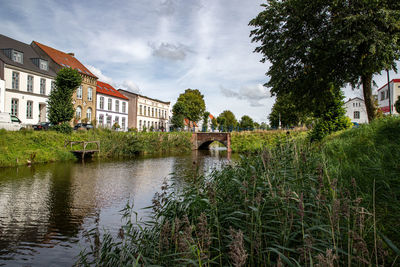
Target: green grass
[334,203]
[18,148]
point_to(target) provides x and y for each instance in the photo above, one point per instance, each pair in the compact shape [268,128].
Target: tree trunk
[368,98]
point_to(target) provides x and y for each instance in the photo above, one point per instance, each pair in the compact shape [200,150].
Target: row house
[26,81]
[112,107]
[384,94]
[147,113]
[356,110]
[84,97]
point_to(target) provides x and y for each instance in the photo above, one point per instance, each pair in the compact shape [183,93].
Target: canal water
[45,210]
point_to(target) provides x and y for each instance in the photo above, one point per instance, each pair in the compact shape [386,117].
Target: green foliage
[293,204]
[205,121]
[312,43]
[60,104]
[397,105]
[191,105]
[227,121]
[178,111]
[286,112]
[63,127]
[214,123]
[246,123]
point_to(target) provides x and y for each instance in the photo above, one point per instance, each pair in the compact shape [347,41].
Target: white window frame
[29,109]
[101,102]
[18,56]
[90,94]
[42,86]
[15,80]
[79,92]
[29,83]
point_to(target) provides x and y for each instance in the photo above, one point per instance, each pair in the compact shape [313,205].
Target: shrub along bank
[334,203]
[18,148]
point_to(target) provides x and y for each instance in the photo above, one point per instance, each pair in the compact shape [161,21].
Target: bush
[63,128]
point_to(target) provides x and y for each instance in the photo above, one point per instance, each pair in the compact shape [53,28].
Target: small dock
[84,152]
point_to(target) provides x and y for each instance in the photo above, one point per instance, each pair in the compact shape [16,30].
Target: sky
[158,48]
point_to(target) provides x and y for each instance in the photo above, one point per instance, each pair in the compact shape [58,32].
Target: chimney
[71,54]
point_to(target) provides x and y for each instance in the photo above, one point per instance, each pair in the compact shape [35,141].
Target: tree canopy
[246,123]
[61,109]
[193,105]
[178,116]
[285,113]
[227,121]
[314,45]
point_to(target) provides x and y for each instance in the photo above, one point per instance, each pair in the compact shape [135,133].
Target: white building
[147,113]
[28,81]
[356,110]
[383,96]
[111,108]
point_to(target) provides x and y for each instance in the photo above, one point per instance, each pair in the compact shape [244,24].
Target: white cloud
[99,74]
[129,86]
[251,93]
[170,51]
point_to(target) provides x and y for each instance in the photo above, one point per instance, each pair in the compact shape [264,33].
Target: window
[156,126]
[42,86]
[123,123]
[123,107]
[15,80]
[145,110]
[101,119]
[148,111]
[90,94]
[117,105]
[89,114]
[109,121]
[152,112]
[101,102]
[159,113]
[109,104]
[29,105]
[116,120]
[148,124]
[43,65]
[79,92]
[140,110]
[53,86]
[29,87]
[356,114]
[14,107]
[382,95]
[78,112]
[18,57]
[140,125]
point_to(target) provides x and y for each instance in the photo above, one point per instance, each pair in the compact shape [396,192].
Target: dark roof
[64,59]
[105,88]
[153,99]
[28,52]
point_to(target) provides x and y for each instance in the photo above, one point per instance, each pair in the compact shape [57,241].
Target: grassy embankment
[17,148]
[335,203]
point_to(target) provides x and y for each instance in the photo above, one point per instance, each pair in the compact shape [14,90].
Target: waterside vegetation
[332,203]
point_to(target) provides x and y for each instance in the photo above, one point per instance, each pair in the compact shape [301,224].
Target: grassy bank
[335,203]
[256,140]
[17,148]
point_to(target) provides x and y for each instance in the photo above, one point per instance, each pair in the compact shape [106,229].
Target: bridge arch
[203,140]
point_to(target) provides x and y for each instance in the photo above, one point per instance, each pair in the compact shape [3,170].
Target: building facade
[112,107]
[84,98]
[384,93]
[147,113]
[26,81]
[356,110]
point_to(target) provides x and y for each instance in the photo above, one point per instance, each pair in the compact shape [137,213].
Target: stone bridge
[203,140]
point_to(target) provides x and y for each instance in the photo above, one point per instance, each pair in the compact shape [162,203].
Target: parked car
[9,122]
[86,126]
[42,126]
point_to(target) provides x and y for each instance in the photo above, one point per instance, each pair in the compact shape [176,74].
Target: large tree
[314,45]
[227,121]
[193,105]
[61,109]
[285,113]
[178,116]
[246,123]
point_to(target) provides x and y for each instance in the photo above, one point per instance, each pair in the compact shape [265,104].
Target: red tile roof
[211,116]
[394,81]
[64,59]
[192,123]
[106,89]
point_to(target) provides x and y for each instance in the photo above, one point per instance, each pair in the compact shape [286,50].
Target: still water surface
[46,209]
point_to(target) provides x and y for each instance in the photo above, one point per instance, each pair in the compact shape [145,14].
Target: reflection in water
[45,209]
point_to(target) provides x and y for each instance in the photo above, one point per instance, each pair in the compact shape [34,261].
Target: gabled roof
[192,123]
[106,89]
[64,59]
[136,94]
[28,55]
[394,81]
[356,98]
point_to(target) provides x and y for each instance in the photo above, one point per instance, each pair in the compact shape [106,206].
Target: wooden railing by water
[83,152]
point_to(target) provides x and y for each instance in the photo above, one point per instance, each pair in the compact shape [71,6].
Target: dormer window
[17,56]
[43,64]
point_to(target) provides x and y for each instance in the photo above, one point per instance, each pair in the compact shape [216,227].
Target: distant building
[356,110]
[146,113]
[84,98]
[209,124]
[383,96]
[112,107]
[26,80]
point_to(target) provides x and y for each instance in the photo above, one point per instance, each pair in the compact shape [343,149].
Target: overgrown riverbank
[18,148]
[334,203]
